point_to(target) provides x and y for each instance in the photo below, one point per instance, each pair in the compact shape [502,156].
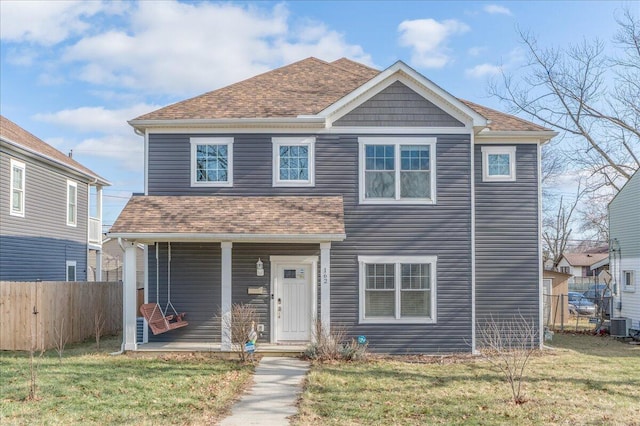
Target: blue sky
[73,73]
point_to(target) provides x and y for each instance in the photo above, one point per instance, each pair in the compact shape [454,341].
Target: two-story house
[374,201]
[48,224]
[624,251]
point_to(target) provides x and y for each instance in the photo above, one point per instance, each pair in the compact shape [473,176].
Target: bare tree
[239,327]
[61,337]
[556,229]
[590,96]
[508,345]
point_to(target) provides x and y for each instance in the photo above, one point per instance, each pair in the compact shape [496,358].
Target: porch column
[226,296]
[325,286]
[129,297]
[98,275]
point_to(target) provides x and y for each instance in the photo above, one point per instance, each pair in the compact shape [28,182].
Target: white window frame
[498,150]
[631,282]
[73,184]
[363,261]
[195,141]
[309,142]
[15,164]
[75,269]
[397,141]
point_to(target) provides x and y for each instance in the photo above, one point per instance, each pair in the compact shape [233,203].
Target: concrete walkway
[277,385]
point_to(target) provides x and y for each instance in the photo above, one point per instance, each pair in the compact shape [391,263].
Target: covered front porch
[272,253]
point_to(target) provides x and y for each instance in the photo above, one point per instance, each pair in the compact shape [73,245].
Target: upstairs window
[498,163]
[17,191]
[211,161]
[293,161]
[397,289]
[72,203]
[397,170]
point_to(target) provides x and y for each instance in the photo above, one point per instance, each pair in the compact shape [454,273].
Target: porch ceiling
[231,218]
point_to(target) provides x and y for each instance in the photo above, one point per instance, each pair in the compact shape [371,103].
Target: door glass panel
[289,273]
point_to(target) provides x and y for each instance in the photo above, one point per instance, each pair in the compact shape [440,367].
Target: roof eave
[543,136]
[94,178]
[219,237]
[300,121]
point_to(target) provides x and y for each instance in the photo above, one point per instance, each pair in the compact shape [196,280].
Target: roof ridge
[352,71]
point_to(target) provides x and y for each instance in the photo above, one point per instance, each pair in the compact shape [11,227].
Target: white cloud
[49,22]
[127,152]
[428,40]
[112,138]
[494,9]
[186,48]
[483,70]
[476,50]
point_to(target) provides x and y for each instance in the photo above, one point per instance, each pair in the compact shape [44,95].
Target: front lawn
[585,380]
[91,387]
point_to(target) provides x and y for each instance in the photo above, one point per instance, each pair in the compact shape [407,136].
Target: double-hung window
[71,270]
[17,188]
[212,161]
[498,163]
[397,289]
[72,203]
[293,161]
[397,170]
[628,281]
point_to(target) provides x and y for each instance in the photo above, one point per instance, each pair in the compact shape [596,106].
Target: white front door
[293,302]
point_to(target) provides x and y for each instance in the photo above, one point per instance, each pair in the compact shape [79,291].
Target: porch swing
[158,320]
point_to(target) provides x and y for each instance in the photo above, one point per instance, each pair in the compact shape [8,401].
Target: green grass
[585,380]
[91,387]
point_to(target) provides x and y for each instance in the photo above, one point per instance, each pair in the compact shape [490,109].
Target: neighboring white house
[624,230]
[579,264]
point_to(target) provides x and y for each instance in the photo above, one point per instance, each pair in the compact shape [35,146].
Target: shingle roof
[231,215]
[584,259]
[305,87]
[15,135]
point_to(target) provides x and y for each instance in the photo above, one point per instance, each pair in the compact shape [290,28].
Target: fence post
[562,312]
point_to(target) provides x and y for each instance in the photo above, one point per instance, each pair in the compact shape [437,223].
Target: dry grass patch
[585,380]
[92,387]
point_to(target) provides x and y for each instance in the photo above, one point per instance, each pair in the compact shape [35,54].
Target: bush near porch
[585,380]
[93,387]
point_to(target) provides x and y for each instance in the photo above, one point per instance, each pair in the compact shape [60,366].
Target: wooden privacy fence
[33,314]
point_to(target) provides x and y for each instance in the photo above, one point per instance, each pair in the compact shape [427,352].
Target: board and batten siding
[37,246]
[398,105]
[624,230]
[442,230]
[507,241]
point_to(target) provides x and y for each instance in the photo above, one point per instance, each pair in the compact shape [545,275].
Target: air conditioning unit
[620,327]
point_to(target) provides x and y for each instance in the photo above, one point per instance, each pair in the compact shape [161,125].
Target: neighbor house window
[397,289]
[211,161]
[71,270]
[17,190]
[397,170]
[564,269]
[72,203]
[628,280]
[293,161]
[498,163]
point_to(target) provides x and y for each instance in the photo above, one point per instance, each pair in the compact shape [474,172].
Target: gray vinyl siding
[195,289]
[442,230]
[399,106]
[507,251]
[196,284]
[38,245]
